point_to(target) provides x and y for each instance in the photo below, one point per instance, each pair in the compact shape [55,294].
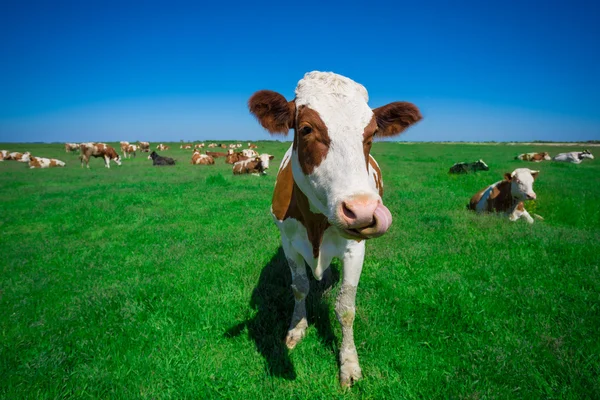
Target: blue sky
[166,71]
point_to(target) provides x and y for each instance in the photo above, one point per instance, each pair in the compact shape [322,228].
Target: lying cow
[70,147]
[327,198]
[202,159]
[199,145]
[575,157]
[507,196]
[255,166]
[20,157]
[187,146]
[216,154]
[162,147]
[535,157]
[249,153]
[40,162]
[160,160]
[144,147]
[212,145]
[87,150]
[465,168]
[252,146]
[232,157]
[129,150]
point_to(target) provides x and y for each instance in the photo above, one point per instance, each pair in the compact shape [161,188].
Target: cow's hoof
[349,374]
[294,337]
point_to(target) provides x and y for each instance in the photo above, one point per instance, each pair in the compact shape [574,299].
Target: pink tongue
[384,219]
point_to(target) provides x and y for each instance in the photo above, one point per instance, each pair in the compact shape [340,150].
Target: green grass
[143,282]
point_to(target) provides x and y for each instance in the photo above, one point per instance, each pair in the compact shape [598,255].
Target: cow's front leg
[300,287]
[345,309]
[107,162]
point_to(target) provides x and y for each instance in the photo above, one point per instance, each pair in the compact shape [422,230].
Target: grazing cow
[232,157]
[199,145]
[144,147]
[186,146]
[70,147]
[87,150]
[40,162]
[252,146]
[20,157]
[162,147]
[465,168]
[212,145]
[160,160]
[202,159]
[507,196]
[327,198]
[249,153]
[535,157]
[129,150]
[575,157]
[216,154]
[124,145]
[255,166]
[3,155]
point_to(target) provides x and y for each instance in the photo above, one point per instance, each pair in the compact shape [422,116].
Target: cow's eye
[305,130]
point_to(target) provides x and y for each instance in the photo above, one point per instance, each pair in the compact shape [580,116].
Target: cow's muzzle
[364,218]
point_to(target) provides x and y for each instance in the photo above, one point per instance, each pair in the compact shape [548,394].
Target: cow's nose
[531,196]
[358,212]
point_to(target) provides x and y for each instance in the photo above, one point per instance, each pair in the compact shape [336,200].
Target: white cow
[575,157]
[327,200]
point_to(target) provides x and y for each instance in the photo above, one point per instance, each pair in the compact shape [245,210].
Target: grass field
[143,282]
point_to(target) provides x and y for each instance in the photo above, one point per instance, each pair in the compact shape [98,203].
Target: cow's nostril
[348,213]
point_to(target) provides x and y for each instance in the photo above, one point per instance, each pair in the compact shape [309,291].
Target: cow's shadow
[273,301]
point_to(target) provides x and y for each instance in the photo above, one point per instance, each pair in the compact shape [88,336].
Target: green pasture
[147,282]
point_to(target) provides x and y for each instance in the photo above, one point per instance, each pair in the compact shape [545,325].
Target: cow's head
[586,154]
[265,158]
[334,128]
[546,156]
[521,183]
[481,165]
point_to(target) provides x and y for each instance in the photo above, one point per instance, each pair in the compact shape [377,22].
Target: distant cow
[160,160]
[144,147]
[87,150]
[69,147]
[535,157]
[223,146]
[252,146]
[238,145]
[256,166]
[575,157]
[232,157]
[40,162]
[216,154]
[507,196]
[124,145]
[162,147]
[202,159]
[465,168]
[16,156]
[129,150]
[186,146]
[232,146]
[212,145]
[199,145]
[249,153]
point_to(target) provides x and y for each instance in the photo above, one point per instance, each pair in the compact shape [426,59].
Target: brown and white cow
[327,198]
[199,145]
[40,162]
[255,166]
[507,196]
[20,157]
[186,146]
[144,147]
[535,157]
[212,145]
[162,147]
[129,150]
[70,147]
[252,146]
[249,153]
[124,145]
[232,157]
[202,159]
[3,155]
[103,150]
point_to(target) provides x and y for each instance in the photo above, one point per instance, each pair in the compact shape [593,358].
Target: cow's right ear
[508,176]
[273,111]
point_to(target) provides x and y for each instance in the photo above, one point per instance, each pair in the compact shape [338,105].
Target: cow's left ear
[535,174]
[271,157]
[395,117]
[273,111]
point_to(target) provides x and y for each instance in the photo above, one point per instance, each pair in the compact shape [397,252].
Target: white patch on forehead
[522,182]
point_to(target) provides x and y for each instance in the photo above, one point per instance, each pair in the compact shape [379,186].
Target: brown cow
[162,147]
[103,150]
[70,147]
[40,162]
[144,147]
[16,156]
[216,154]
[255,166]
[232,158]
[535,157]
[124,145]
[129,150]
